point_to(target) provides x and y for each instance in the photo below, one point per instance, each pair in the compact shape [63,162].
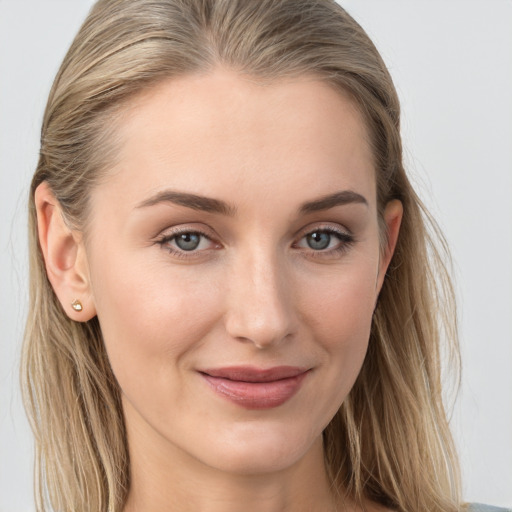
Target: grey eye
[318,240]
[188,241]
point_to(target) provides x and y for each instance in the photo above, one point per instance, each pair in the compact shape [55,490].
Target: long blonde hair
[390,440]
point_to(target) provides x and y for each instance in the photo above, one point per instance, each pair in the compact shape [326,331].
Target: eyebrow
[210,205]
[196,202]
[332,200]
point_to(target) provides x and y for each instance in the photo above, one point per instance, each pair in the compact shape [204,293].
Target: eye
[181,242]
[326,240]
[188,241]
[318,240]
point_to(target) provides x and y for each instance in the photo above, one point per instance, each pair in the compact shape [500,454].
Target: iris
[319,240]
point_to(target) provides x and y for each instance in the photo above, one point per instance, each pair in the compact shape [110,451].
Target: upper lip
[254,374]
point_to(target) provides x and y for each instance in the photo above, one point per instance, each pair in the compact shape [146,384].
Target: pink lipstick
[255,388]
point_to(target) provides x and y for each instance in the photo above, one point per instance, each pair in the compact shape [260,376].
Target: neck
[165,479]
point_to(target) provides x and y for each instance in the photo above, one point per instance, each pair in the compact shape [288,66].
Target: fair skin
[274,278]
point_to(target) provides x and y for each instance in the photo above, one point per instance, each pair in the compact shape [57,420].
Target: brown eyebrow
[332,200]
[206,204]
[211,205]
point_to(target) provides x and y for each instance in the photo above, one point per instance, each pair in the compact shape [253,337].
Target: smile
[254,388]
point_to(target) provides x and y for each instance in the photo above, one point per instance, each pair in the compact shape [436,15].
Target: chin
[251,450]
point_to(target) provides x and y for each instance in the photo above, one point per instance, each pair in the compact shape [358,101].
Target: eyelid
[345,237]
[336,229]
[170,234]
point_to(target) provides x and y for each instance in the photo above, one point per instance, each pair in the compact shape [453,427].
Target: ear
[392,218]
[64,256]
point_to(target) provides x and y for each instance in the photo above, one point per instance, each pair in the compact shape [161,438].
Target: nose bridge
[260,304]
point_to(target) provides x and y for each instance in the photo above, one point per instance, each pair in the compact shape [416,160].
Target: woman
[233,304]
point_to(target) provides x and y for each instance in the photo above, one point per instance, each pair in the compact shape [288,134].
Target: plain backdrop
[452,64]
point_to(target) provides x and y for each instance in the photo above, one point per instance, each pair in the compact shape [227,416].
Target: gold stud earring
[77,305]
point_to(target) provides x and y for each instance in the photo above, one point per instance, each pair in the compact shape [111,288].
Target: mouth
[256,388]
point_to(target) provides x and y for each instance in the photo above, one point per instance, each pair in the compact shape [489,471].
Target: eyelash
[346,241]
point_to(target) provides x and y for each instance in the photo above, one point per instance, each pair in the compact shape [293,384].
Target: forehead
[222,134]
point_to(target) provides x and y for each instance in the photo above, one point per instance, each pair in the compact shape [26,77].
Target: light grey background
[452,64]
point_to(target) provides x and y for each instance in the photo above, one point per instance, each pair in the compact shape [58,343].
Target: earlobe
[392,218]
[64,257]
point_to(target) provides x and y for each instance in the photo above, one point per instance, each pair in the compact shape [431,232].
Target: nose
[259,301]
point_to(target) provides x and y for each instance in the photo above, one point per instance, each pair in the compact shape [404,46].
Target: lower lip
[256,395]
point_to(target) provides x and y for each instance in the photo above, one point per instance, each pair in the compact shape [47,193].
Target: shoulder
[478,507]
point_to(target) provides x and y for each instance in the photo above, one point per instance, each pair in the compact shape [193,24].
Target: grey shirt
[478,507]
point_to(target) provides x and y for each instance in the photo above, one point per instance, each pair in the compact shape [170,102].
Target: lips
[256,388]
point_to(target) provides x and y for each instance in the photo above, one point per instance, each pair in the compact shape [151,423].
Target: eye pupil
[319,240]
[188,241]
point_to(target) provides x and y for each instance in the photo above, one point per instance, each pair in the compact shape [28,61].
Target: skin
[253,293]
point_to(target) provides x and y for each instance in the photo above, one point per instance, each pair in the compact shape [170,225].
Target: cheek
[339,314]
[340,306]
[150,316]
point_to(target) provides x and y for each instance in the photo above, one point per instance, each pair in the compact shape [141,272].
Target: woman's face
[234,264]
